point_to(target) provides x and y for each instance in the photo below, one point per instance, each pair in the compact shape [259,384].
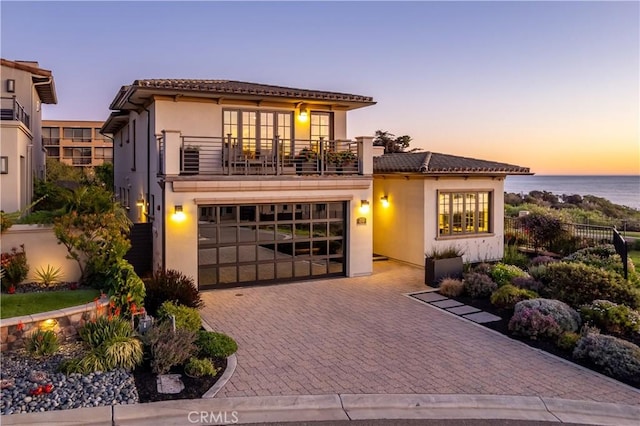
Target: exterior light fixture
[49,324]
[364,206]
[11,85]
[178,214]
[303,115]
[385,201]
[140,202]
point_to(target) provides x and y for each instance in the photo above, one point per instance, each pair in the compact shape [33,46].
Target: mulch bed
[194,387]
[502,327]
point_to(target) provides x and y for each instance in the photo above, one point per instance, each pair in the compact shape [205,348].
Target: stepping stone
[463,310]
[430,297]
[482,317]
[449,303]
[169,383]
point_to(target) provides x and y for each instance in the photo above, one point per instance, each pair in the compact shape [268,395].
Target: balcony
[10,109]
[232,156]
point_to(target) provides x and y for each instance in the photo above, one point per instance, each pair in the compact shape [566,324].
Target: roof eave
[116,121]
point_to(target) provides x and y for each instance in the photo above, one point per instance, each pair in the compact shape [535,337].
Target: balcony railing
[251,156]
[12,110]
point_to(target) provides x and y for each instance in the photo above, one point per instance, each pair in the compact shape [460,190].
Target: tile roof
[46,92]
[433,163]
[244,88]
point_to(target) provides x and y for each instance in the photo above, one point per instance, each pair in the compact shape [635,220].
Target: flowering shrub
[543,317]
[603,256]
[503,274]
[14,267]
[168,347]
[126,289]
[478,285]
[451,287]
[188,318]
[568,340]
[611,318]
[579,284]
[527,283]
[542,228]
[512,256]
[508,295]
[533,324]
[618,358]
[42,343]
[541,260]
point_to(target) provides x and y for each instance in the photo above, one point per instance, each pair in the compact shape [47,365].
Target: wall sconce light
[178,214]
[385,201]
[364,206]
[140,202]
[303,115]
[11,85]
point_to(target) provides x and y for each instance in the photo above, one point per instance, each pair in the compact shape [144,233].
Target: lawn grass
[634,234]
[15,305]
[635,256]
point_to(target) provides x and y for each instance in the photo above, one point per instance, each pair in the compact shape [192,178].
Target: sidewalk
[334,407]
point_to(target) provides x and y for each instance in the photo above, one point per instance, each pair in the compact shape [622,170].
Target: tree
[392,143]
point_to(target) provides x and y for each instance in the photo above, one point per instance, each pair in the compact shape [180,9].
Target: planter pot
[437,269]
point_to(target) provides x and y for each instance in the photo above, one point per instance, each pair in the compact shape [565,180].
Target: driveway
[364,336]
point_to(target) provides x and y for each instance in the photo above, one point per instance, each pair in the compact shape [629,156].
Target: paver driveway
[362,335]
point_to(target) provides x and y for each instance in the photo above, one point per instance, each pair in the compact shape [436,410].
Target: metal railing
[621,248]
[580,236]
[229,155]
[10,109]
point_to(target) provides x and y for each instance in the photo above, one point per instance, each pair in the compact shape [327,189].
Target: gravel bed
[72,391]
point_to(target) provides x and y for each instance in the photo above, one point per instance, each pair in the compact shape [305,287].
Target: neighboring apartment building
[25,87]
[76,143]
[244,183]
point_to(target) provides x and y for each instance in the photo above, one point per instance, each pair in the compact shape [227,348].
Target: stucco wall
[15,140]
[398,229]
[42,249]
[483,247]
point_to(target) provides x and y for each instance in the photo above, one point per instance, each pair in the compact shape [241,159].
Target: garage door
[250,244]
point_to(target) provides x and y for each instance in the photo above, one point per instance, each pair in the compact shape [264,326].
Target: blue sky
[552,86]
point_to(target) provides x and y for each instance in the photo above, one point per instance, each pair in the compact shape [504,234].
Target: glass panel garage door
[261,243]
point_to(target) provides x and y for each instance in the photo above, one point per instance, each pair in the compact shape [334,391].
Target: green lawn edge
[16,305]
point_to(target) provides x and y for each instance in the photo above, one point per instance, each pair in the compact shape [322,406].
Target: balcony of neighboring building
[12,110]
[237,156]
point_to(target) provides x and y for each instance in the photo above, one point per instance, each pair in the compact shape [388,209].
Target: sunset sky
[547,85]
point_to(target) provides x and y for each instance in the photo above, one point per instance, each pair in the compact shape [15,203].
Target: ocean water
[624,190]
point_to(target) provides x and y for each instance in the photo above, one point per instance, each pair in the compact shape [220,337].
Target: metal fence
[576,237]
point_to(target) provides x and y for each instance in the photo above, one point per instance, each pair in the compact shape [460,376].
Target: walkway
[364,336]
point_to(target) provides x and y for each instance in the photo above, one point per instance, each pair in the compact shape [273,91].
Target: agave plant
[48,276]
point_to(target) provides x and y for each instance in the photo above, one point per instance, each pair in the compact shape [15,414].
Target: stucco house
[25,87]
[426,200]
[248,184]
[243,182]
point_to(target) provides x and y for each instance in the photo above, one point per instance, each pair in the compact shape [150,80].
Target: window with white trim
[464,213]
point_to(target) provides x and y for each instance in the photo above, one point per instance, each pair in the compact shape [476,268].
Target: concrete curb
[340,407]
[232,363]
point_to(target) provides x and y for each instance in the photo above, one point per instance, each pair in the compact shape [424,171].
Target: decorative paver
[430,297]
[462,310]
[364,335]
[449,303]
[482,317]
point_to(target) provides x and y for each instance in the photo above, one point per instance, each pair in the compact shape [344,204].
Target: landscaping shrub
[125,288]
[451,287]
[602,256]
[542,228]
[478,285]
[110,344]
[173,286]
[512,256]
[49,276]
[541,260]
[508,295]
[200,367]
[42,343]
[503,274]
[611,318]
[618,358]
[168,347]
[481,268]
[527,283]
[14,267]
[579,284]
[543,318]
[538,272]
[188,318]
[568,340]
[215,345]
